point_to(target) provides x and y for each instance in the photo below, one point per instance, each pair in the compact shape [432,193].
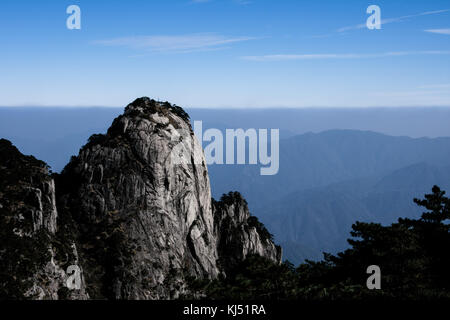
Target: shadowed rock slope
[34,254]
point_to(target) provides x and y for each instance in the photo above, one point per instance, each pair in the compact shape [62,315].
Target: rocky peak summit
[146,105]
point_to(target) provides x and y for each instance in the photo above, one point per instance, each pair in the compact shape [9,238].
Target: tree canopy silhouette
[413,256]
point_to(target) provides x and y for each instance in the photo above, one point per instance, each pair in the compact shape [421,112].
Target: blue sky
[225,53]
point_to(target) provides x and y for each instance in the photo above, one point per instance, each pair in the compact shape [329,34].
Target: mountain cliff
[33,255]
[239,234]
[135,209]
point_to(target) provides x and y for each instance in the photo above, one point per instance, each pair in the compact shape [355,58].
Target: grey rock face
[143,189]
[134,211]
[44,213]
[239,234]
[30,253]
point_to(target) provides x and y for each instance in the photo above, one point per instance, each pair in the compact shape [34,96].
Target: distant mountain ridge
[329,180]
[314,160]
[320,218]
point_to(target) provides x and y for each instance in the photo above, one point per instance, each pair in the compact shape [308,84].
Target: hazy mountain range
[327,181]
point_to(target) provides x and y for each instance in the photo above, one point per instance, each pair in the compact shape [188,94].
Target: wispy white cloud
[321,56]
[174,43]
[439,31]
[436,86]
[409,93]
[413,98]
[391,20]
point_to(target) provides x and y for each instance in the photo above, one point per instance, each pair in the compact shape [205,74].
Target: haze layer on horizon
[55,134]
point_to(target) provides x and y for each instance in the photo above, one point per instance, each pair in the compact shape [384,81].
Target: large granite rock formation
[135,209]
